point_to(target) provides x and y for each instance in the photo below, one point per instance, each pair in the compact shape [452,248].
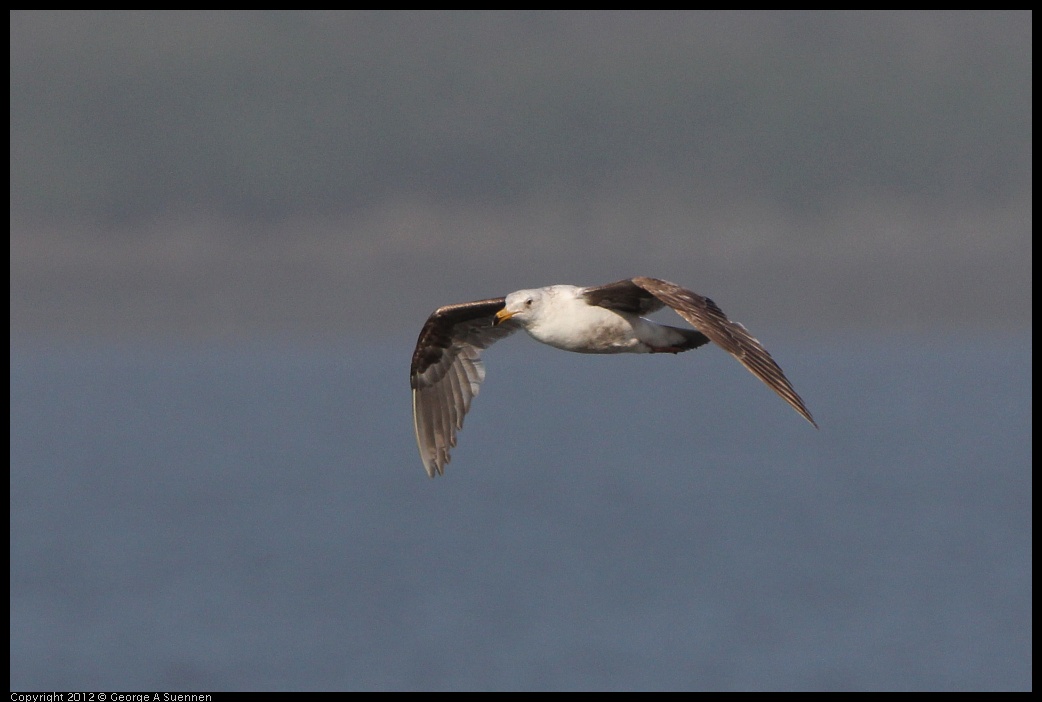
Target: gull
[447,370]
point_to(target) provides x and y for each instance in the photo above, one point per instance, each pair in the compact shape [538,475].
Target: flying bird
[447,370]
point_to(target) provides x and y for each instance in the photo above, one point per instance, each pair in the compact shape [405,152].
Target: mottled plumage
[447,369]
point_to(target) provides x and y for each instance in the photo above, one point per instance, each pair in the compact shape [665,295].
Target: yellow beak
[502,316]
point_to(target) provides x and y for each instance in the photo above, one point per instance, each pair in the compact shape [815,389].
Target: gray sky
[228,175]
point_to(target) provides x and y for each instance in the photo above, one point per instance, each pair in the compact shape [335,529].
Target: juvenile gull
[447,370]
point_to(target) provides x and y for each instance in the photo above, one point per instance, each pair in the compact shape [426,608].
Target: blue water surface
[256,517]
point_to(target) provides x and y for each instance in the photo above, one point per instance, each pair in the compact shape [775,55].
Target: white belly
[590,330]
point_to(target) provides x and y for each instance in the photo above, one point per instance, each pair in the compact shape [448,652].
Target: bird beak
[502,316]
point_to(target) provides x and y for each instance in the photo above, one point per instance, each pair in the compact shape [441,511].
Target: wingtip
[805,413]
[432,468]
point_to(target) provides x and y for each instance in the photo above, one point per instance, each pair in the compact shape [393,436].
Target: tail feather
[692,338]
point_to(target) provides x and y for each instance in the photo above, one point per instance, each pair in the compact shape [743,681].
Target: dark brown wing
[709,319]
[623,296]
[447,372]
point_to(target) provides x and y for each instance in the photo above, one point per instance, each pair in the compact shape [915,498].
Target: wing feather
[623,296]
[447,372]
[705,316]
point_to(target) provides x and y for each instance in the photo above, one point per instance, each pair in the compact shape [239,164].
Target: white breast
[568,323]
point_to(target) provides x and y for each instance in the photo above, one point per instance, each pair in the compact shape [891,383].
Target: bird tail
[692,339]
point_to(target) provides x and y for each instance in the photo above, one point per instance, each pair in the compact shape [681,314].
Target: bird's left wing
[447,372]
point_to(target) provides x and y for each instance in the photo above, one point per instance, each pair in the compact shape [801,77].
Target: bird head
[519,305]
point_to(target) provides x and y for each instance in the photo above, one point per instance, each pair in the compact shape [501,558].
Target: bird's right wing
[623,296]
[705,316]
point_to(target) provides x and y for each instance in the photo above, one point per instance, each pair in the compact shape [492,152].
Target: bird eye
[528,302]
